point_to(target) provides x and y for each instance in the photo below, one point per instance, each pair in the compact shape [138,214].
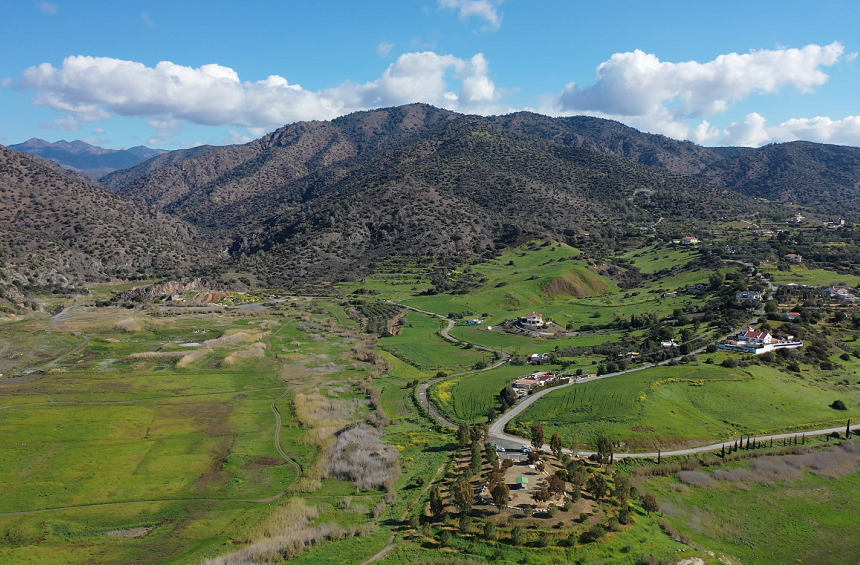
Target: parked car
[526,450]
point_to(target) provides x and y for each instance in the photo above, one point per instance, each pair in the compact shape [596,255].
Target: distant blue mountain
[91,160]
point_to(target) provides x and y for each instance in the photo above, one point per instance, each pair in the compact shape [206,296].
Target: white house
[475,321]
[835,291]
[792,316]
[689,240]
[794,258]
[751,335]
[534,319]
[748,295]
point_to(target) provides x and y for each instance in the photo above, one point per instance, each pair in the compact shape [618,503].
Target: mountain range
[56,231]
[326,200]
[93,161]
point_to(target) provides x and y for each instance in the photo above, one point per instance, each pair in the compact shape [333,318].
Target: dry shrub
[360,456]
[675,487]
[257,350]
[322,418]
[378,417]
[286,533]
[696,479]
[364,352]
[831,463]
[232,338]
[674,533]
[158,355]
[130,325]
[210,344]
[740,476]
[190,358]
[775,469]
[691,464]
[664,470]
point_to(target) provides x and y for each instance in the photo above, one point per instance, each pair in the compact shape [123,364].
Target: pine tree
[437,505]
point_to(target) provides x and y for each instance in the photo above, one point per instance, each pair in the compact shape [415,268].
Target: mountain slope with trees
[55,230]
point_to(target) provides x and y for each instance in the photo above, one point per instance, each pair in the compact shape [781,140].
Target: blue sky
[176,74]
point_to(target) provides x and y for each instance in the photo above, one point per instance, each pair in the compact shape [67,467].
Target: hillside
[463,191]
[89,159]
[55,230]
[119,178]
[813,174]
[327,199]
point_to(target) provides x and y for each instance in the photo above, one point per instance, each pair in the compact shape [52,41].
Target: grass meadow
[680,406]
[420,345]
[119,436]
[770,510]
[653,258]
[801,274]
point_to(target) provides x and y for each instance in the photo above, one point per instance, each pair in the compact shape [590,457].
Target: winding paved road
[497,428]
[421,391]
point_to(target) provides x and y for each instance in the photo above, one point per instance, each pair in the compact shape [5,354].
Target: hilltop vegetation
[56,231]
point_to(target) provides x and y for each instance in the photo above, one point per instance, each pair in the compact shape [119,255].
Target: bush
[838,405]
[570,541]
[444,537]
[593,534]
[360,456]
[465,524]
[624,517]
[730,363]
[490,531]
[517,536]
[614,525]
[543,540]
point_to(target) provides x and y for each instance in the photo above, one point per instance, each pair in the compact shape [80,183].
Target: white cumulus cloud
[383,49]
[47,8]
[93,88]
[639,84]
[640,90]
[754,131]
[484,9]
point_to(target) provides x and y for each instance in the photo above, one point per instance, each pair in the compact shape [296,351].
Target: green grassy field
[646,410]
[139,442]
[651,259]
[526,344]
[801,274]
[419,344]
[801,521]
